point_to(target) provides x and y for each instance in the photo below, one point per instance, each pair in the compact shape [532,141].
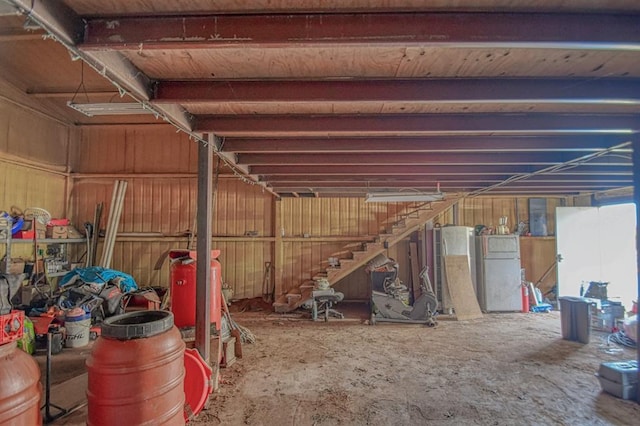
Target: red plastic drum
[136,372]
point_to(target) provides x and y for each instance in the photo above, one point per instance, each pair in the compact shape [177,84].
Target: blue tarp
[97,277]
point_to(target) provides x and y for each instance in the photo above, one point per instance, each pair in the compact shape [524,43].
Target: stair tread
[409,221]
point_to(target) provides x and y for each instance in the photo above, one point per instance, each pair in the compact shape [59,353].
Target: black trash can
[575,318]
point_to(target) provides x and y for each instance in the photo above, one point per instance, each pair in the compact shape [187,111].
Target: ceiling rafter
[433,91]
[416,124]
[572,30]
[421,170]
[424,144]
[497,158]
[408,180]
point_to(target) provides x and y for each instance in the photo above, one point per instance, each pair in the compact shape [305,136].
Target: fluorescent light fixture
[92,109]
[398,197]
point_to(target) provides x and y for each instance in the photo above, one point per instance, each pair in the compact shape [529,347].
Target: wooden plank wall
[33,158]
[158,214]
[537,254]
[488,210]
[159,209]
[333,225]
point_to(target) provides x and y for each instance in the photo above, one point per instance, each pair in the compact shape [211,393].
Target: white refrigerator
[498,269]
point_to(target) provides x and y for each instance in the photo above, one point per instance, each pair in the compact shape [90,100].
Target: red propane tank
[136,372]
[183,287]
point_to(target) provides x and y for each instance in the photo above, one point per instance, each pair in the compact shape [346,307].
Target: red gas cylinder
[183,287]
[136,371]
[525,298]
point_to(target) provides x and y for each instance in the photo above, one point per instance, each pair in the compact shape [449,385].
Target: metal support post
[203,245]
[636,199]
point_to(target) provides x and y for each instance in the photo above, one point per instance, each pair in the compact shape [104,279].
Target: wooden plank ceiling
[328,98]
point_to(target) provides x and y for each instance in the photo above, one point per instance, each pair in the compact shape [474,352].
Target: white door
[577,246]
[618,252]
[598,244]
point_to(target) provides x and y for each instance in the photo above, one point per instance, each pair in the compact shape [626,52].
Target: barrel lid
[197,383]
[136,325]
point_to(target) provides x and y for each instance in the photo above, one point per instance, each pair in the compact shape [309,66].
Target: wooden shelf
[57,274]
[523,237]
[49,241]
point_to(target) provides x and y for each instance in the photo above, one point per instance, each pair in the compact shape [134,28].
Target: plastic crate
[618,389]
[11,326]
[624,372]
[619,378]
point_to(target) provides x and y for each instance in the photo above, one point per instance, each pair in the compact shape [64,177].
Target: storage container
[619,378]
[136,372]
[575,318]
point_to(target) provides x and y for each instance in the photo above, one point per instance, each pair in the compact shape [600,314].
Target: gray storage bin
[575,318]
[618,389]
[624,372]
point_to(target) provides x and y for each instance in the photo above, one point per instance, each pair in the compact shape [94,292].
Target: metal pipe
[47,403]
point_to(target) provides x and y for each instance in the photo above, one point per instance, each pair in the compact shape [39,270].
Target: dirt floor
[504,369]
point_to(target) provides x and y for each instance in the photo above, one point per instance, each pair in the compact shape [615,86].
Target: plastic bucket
[77,330]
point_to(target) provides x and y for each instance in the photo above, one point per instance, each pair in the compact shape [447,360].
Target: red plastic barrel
[183,287]
[19,387]
[136,371]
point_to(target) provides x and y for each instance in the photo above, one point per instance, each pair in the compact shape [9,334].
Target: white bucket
[78,328]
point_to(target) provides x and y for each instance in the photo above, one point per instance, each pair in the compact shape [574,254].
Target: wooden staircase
[410,221]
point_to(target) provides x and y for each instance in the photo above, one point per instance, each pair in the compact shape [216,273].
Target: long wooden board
[463,298]
[415,270]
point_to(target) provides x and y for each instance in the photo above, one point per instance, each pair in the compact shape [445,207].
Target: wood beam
[439,170]
[433,91]
[508,30]
[421,158]
[416,125]
[425,144]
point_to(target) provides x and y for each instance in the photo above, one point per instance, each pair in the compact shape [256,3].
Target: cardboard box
[29,229]
[228,352]
[27,294]
[57,232]
[16,266]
